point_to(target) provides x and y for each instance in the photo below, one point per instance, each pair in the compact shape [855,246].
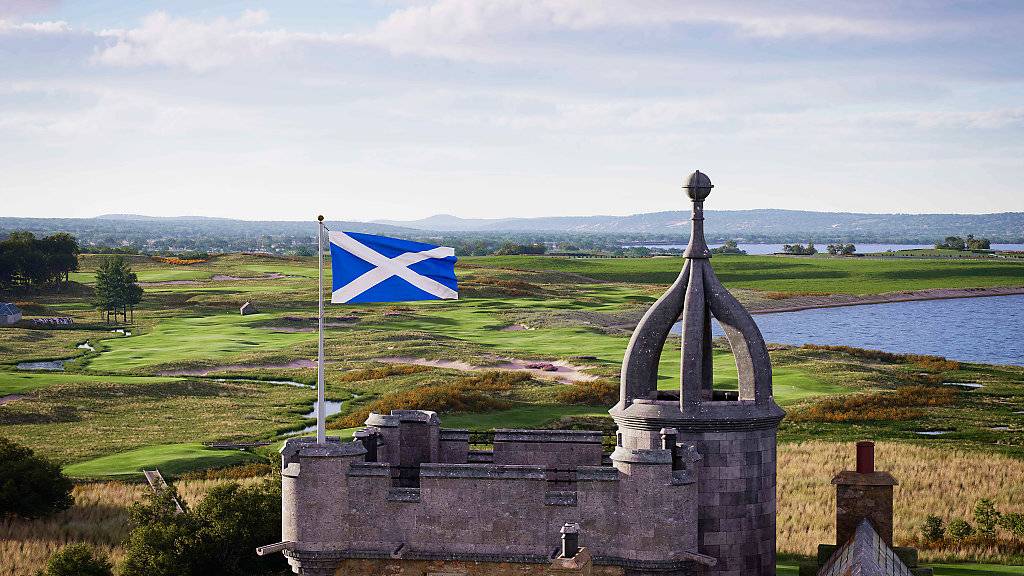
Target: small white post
[321,414]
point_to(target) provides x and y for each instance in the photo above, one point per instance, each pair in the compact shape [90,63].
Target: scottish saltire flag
[368,268]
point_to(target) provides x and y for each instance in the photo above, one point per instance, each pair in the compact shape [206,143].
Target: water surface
[989,330]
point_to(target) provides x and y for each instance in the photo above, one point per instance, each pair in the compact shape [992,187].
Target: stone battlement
[406,485]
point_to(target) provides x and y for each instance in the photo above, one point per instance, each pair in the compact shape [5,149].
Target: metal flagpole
[321,417]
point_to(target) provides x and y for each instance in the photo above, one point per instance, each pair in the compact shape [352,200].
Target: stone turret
[733,431]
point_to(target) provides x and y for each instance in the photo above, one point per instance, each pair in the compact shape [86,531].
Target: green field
[111,413]
[774,273]
[171,459]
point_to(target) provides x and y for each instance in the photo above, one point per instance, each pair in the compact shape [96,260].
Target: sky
[365,110]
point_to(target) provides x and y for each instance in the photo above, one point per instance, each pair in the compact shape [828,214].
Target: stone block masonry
[638,515]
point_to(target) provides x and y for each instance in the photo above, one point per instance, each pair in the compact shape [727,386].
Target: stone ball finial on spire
[698,186]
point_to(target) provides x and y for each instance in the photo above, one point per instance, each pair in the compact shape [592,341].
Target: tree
[30,486]
[728,247]
[219,536]
[1014,522]
[986,517]
[932,530]
[952,243]
[117,288]
[959,530]
[62,252]
[27,261]
[78,560]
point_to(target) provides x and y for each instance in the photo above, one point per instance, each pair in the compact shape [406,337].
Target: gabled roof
[865,554]
[8,309]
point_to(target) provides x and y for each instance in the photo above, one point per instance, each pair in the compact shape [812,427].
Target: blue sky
[493,108]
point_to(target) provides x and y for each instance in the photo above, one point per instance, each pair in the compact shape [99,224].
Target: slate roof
[8,309]
[866,554]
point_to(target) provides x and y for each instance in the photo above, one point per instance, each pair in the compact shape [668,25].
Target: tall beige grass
[943,482]
[99,517]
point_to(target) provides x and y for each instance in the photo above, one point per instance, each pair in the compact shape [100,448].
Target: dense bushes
[27,261]
[467,394]
[925,361]
[900,404]
[30,486]
[987,521]
[78,560]
[219,536]
[594,393]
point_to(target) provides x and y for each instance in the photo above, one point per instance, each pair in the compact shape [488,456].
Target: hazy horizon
[399,110]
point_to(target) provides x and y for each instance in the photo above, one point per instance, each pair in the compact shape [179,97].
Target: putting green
[171,459]
[180,340]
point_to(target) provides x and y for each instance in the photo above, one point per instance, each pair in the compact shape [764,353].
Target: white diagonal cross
[387,267]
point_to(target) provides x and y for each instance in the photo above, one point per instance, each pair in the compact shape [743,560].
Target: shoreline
[840,300]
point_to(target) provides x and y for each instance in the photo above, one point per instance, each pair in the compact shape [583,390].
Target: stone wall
[639,513]
[737,499]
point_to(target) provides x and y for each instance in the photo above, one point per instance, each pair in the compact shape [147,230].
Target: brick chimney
[864,493]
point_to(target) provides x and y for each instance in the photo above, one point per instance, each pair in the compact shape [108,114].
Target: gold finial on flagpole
[320,218]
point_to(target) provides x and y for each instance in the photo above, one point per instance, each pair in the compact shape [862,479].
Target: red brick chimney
[862,494]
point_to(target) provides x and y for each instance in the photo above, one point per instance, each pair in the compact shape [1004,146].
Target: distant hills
[781,225]
[472,236]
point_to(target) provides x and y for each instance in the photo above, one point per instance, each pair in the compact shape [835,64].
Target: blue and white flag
[368,268]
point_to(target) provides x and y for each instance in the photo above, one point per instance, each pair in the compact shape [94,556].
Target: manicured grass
[776,273]
[171,459]
[21,382]
[532,416]
[788,569]
[182,340]
[974,569]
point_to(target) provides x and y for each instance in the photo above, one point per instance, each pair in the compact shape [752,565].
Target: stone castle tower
[734,431]
[688,490]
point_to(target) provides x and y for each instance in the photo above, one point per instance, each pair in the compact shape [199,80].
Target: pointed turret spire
[697,187]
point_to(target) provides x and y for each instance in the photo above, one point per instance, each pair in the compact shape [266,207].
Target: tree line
[28,262]
[969,243]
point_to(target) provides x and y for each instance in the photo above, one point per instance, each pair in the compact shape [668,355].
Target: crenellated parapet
[637,513]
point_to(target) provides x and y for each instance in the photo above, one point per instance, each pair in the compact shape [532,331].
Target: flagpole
[321,417]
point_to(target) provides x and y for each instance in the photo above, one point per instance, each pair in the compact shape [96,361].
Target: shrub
[959,530]
[933,530]
[901,404]
[594,393]
[1014,522]
[986,517]
[30,486]
[377,373]
[219,536]
[925,361]
[78,560]
[933,363]
[437,397]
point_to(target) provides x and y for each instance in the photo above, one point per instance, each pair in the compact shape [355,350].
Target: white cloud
[199,46]
[48,27]
[473,29]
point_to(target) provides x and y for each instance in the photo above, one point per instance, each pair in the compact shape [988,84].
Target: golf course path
[560,371]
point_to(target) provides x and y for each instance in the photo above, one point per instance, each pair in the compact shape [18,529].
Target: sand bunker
[559,371]
[238,368]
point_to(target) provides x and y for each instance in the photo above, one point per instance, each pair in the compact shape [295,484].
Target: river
[989,330]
